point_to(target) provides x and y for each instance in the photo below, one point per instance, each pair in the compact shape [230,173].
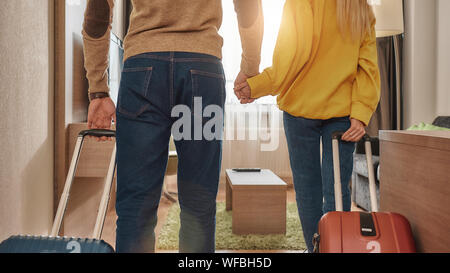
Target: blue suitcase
[44,244]
[56,244]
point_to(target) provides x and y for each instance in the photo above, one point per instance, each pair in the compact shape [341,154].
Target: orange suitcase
[359,232]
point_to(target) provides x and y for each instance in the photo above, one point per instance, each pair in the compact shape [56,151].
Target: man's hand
[242,89]
[241,77]
[356,131]
[100,115]
[244,92]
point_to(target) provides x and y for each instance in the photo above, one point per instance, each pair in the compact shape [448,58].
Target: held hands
[242,89]
[100,115]
[356,131]
[243,93]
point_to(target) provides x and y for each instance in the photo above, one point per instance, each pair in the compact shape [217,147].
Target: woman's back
[326,76]
[329,73]
[338,76]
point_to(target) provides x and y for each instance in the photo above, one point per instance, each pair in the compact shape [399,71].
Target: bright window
[232,50]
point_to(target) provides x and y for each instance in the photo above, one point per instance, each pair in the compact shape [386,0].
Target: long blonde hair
[354,17]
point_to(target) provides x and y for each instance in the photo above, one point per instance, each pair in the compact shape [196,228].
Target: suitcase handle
[98,133]
[71,175]
[336,137]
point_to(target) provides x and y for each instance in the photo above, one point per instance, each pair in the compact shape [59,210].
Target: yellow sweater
[316,73]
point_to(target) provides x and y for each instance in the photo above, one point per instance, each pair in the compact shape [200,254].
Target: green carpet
[225,240]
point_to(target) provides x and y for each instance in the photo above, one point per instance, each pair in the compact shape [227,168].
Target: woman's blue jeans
[313,178]
[152,85]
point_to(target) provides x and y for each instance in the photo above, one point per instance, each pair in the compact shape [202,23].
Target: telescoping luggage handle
[70,176]
[336,137]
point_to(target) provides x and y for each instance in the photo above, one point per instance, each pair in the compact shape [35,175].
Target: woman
[326,77]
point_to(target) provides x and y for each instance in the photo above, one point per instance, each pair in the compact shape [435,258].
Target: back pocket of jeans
[208,86]
[133,97]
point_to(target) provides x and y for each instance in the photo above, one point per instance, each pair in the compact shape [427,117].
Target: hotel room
[44,105]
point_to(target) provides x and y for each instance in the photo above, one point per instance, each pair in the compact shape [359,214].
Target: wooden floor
[165,204]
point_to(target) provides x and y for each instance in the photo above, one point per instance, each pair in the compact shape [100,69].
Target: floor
[165,204]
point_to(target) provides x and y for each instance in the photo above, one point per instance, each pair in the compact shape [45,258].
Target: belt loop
[171,79]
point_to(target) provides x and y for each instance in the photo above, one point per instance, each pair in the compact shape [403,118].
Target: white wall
[443,59]
[426,60]
[26,111]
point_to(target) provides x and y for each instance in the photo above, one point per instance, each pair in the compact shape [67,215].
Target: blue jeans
[313,179]
[152,85]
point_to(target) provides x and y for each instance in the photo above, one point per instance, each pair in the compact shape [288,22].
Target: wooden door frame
[61,131]
[59,101]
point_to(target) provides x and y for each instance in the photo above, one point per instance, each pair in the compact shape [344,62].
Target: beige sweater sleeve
[251,28]
[96,39]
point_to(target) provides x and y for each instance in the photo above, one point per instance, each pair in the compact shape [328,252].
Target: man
[172,57]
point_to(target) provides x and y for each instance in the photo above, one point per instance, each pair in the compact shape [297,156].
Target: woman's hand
[356,131]
[243,92]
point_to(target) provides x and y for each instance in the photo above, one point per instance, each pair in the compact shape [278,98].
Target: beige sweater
[169,25]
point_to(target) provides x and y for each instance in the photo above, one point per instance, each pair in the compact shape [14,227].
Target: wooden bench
[257,201]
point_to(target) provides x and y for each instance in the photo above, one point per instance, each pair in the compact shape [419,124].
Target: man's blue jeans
[313,179]
[152,85]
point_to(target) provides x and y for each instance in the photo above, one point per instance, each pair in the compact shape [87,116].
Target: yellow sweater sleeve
[292,50]
[367,85]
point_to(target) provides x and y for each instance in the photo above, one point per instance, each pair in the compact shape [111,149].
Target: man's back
[176,51]
[169,26]
[174,25]
[172,58]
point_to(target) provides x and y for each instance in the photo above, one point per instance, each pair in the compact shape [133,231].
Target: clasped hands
[243,92]
[242,89]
